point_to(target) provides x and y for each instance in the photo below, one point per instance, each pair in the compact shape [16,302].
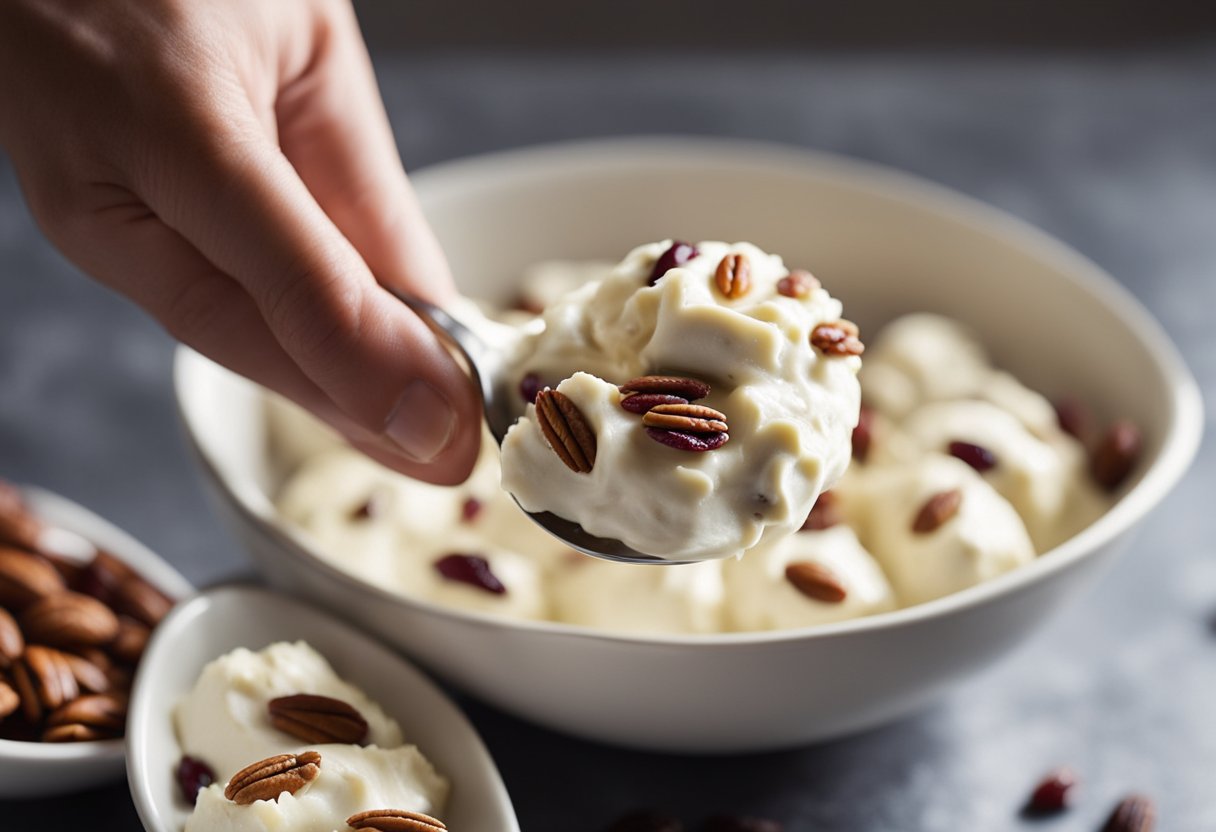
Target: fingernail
[422,423]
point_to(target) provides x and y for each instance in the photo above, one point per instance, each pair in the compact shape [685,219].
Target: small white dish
[34,769]
[220,620]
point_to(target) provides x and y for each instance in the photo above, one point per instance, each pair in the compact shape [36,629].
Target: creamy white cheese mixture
[941,424]
[224,722]
[788,408]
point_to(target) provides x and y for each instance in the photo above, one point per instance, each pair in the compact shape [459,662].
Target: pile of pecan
[71,634]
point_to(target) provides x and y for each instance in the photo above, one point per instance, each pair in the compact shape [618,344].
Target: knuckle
[195,309]
[315,313]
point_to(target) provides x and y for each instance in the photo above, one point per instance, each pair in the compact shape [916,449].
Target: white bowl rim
[57,505]
[1181,436]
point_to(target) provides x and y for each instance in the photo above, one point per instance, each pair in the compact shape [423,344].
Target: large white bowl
[33,769]
[884,242]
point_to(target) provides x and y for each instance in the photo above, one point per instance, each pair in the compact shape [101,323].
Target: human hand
[229,166]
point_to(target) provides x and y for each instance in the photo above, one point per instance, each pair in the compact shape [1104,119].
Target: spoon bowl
[220,620]
[486,366]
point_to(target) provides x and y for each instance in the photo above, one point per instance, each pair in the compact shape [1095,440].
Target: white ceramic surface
[29,769]
[886,244]
[222,619]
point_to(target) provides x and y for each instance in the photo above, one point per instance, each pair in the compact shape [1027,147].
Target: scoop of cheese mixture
[765,592]
[224,721]
[640,599]
[937,527]
[456,547]
[789,407]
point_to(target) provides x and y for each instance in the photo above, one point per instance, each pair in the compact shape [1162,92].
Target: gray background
[1114,151]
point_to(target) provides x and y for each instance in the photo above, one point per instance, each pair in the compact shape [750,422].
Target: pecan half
[317,719]
[90,671]
[566,430]
[25,578]
[9,699]
[103,712]
[69,619]
[44,680]
[799,283]
[267,779]
[733,276]
[128,646]
[937,510]
[142,601]
[1116,455]
[12,644]
[689,389]
[823,515]
[102,577]
[838,338]
[1135,813]
[74,732]
[18,525]
[692,418]
[395,820]
[814,580]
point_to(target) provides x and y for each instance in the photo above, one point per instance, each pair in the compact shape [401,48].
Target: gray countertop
[1115,153]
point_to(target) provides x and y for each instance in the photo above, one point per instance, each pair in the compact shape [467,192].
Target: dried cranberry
[1073,417]
[1052,794]
[193,775]
[736,823]
[1116,455]
[646,822]
[977,456]
[641,403]
[685,441]
[863,434]
[679,254]
[470,509]
[529,386]
[473,570]
[824,514]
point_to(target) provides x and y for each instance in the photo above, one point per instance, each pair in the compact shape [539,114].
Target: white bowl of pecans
[78,600]
[884,243]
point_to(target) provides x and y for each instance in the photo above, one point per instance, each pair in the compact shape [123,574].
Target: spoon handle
[482,359]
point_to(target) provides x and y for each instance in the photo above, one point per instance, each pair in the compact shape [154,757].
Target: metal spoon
[487,366]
